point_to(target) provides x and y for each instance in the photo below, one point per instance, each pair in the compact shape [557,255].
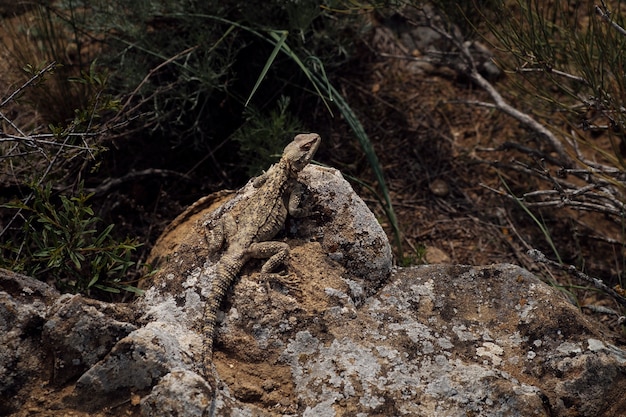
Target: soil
[437,153]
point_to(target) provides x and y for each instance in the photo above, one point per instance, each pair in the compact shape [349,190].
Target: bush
[185,79]
[56,236]
[60,241]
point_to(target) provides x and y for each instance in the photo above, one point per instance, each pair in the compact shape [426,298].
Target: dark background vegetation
[115,116]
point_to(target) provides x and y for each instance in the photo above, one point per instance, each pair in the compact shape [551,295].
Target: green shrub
[188,73]
[56,236]
[62,239]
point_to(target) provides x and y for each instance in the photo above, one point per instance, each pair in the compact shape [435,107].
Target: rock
[341,339]
[441,340]
[434,255]
[179,394]
[23,305]
[439,187]
[81,331]
[48,340]
[436,340]
[349,233]
[137,363]
[341,226]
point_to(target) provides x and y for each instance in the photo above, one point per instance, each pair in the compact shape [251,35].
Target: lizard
[247,229]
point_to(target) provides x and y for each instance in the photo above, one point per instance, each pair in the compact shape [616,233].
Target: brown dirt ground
[426,137]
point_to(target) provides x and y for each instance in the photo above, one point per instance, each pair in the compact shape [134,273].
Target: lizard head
[301,150]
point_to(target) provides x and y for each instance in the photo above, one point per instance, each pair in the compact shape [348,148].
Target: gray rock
[349,232]
[430,341]
[81,331]
[23,306]
[49,340]
[437,340]
[136,363]
[178,394]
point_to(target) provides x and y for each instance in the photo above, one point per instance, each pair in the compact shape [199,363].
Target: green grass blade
[370,154]
[311,76]
[280,41]
[321,83]
[541,226]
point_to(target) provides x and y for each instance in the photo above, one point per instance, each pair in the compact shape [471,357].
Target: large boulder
[346,336]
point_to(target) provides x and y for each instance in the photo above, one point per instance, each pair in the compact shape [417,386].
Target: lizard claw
[285,279]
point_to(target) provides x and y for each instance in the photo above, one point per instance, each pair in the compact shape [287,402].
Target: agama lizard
[245,232]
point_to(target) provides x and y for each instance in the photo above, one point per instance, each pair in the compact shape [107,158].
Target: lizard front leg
[220,233]
[215,236]
[295,201]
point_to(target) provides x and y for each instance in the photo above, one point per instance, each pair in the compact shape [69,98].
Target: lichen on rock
[348,336]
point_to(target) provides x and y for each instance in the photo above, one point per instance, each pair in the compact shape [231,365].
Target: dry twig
[605,14]
[538,256]
[467,65]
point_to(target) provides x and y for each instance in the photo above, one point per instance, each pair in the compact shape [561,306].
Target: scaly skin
[246,230]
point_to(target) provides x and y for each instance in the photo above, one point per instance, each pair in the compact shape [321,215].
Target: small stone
[435,255]
[439,188]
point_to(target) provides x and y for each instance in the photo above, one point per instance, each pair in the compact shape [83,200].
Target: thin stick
[556,72]
[538,256]
[605,15]
[111,183]
[151,73]
[29,82]
[472,71]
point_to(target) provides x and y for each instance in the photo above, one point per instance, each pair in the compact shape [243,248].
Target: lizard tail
[227,270]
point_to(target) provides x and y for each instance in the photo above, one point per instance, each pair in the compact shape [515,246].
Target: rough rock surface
[341,223]
[342,341]
[81,331]
[22,313]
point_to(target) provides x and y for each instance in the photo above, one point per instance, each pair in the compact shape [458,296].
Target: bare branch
[518,115]
[538,256]
[32,79]
[34,140]
[599,195]
[556,72]
[606,16]
[470,69]
[111,183]
[150,74]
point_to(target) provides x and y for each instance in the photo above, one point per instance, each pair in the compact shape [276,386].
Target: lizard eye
[301,150]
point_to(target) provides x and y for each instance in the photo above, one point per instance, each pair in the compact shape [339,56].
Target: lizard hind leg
[276,254]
